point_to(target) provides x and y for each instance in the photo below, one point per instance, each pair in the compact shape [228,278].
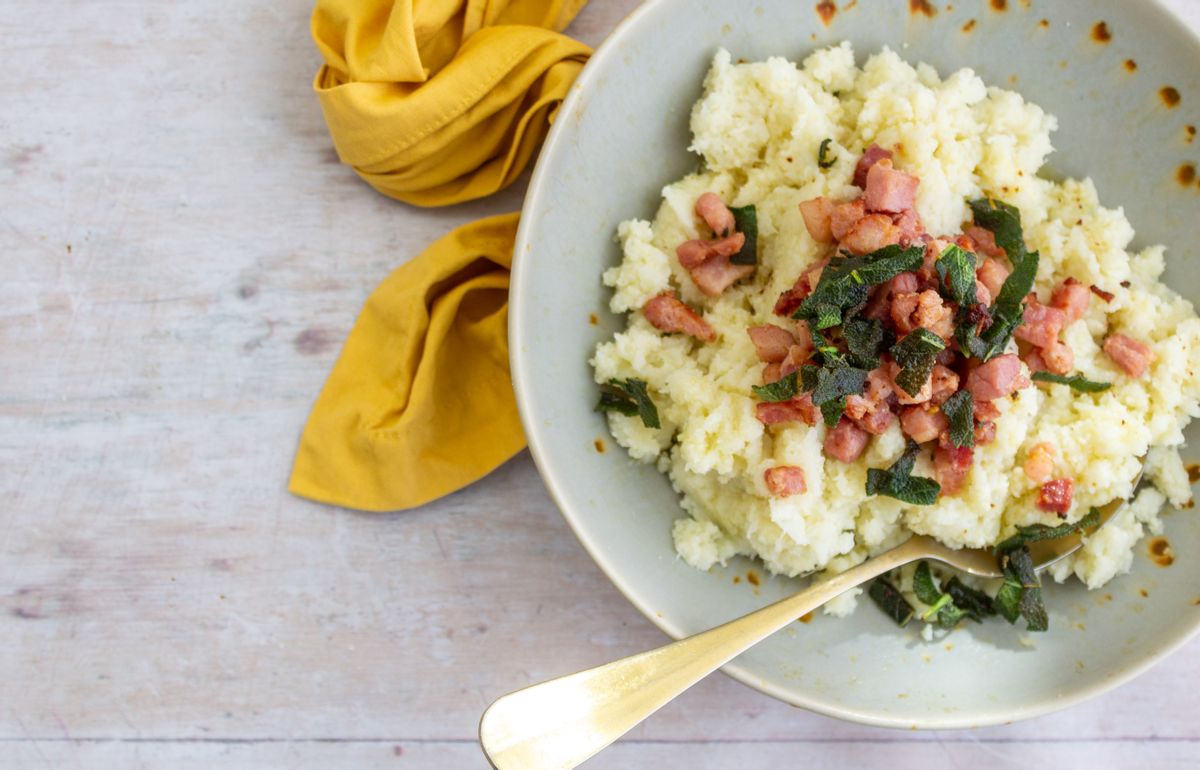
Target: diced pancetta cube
[668,314]
[785,480]
[845,441]
[1132,356]
[889,190]
[996,378]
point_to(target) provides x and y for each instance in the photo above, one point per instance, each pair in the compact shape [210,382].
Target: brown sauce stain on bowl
[1000,5]
[1101,33]
[1044,24]
[593,319]
[1145,594]
[921,6]
[1130,65]
[1185,175]
[1189,134]
[1169,96]
[1190,504]
[752,577]
[806,617]
[826,9]
[737,579]
[599,444]
[1196,601]
[1193,472]
[970,25]
[1161,552]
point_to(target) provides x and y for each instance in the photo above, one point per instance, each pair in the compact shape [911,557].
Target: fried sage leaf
[823,159]
[1035,532]
[891,601]
[830,385]
[960,411]
[956,269]
[1021,594]
[977,604]
[629,397]
[1008,309]
[942,607]
[846,281]
[1075,381]
[746,222]
[899,483]
[783,389]
[916,354]
[866,339]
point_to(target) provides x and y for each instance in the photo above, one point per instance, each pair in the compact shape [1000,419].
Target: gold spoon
[560,723]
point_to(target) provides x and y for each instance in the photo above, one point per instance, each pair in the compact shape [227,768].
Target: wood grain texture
[183,255]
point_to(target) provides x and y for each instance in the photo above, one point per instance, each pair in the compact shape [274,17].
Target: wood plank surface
[183,255]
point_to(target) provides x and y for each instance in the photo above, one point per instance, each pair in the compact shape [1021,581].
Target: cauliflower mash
[776,135]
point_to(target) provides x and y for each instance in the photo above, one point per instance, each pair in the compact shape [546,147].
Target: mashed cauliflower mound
[758,128]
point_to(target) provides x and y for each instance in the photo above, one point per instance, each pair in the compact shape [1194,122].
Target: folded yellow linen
[441,101]
[432,102]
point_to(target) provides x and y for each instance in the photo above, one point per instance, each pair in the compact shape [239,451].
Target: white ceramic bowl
[623,134]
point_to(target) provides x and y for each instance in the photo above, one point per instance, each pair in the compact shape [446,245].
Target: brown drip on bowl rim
[921,6]
[1161,552]
[826,9]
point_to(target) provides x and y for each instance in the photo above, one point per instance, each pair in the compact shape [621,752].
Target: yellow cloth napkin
[440,101]
[432,102]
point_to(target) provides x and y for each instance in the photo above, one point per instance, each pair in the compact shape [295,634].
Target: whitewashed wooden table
[182,255]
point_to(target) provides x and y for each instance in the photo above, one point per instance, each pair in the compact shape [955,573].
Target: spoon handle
[560,723]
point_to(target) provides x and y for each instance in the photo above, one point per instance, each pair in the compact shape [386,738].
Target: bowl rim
[534,199]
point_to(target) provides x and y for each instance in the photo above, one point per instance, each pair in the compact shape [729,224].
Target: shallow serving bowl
[623,134]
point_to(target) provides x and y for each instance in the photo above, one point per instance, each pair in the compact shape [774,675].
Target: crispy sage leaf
[994,340]
[942,607]
[1008,598]
[838,382]
[1008,309]
[916,354]
[823,160]
[629,397]
[1004,220]
[1076,382]
[1031,607]
[832,411]
[977,604]
[959,267]
[925,586]
[891,601]
[899,483]
[847,280]
[960,411]
[1035,532]
[783,389]
[746,222]
[1021,593]
[866,340]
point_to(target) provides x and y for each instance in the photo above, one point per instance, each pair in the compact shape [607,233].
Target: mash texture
[758,128]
